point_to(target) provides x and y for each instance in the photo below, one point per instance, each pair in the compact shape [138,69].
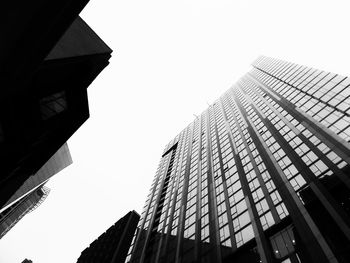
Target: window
[53,105]
[245,235]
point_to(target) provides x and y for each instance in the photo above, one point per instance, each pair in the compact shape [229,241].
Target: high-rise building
[60,160]
[10,217]
[33,192]
[112,246]
[48,58]
[262,175]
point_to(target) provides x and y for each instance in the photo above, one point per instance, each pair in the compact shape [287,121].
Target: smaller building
[112,246]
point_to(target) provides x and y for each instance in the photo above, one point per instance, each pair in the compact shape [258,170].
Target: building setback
[262,175]
[112,246]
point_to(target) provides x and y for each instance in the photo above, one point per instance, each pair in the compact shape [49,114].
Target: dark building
[10,217]
[112,246]
[48,58]
[262,175]
[27,261]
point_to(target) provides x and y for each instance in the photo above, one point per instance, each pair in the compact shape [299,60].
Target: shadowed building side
[112,246]
[49,59]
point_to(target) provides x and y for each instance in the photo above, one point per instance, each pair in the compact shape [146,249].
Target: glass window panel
[247,233]
[241,206]
[53,104]
[244,219]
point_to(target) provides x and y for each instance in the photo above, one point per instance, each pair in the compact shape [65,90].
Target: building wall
[262,175]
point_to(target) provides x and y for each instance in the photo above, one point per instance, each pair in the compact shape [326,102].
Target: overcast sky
[170,59]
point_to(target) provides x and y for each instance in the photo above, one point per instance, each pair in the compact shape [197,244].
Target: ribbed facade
[262,175]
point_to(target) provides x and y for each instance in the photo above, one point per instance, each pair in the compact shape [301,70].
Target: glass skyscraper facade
[33,192]
[60,160]
[262,175]
[13,214]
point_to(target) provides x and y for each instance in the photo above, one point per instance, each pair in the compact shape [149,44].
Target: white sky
[170,58]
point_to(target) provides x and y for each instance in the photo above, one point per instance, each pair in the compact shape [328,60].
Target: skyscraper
[262,175]
[32,192]
[60,160]
[10,217]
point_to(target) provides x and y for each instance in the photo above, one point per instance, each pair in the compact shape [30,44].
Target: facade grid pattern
[262,175]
